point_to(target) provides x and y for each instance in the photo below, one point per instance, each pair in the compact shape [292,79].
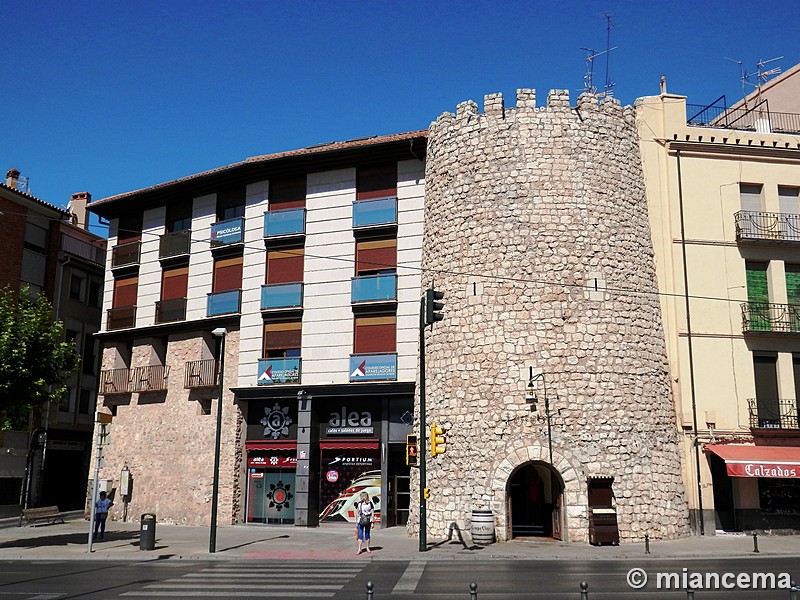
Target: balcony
[226,233]
[174,244]
[281,295]
[374,288]
[152,378]
[83,249]
[200,374]
[767,227]
[169,311]
[773,414]
[123,317]
[375,212]
[114,381]
[278,370]
[224,303]
[286,222]
[125,255]
[756,118]
[373,367]
[765,317]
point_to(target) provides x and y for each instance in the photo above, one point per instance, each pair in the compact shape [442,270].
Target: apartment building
[723,189]
[290,283]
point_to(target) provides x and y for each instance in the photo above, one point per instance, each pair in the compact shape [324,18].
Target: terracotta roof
[317,149]
[27,196]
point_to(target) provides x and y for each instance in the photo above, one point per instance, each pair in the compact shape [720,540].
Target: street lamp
[531,397]
[219,332]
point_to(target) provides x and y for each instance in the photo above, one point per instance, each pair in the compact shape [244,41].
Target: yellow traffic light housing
[438,440]
[412,450]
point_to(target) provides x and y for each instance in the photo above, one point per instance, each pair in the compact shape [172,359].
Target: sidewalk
[337,542]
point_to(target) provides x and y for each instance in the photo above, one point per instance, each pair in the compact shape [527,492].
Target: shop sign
[378,367]
[276,421]
[278,370]
[759,469]
[280,462]
[227,232]
[332,476]
[347,422]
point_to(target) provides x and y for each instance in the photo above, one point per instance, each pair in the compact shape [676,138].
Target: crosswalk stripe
[265,577]
[270,588]
[200,594]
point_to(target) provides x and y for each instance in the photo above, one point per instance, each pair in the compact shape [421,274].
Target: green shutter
[793,295]
[758,295]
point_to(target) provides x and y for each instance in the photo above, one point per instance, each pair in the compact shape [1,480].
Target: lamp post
[531,397]
[219,332]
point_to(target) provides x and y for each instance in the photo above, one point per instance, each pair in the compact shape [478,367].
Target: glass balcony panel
[174,244]
[374,288]
[125,254]
[227,232]
[290,221]
[169,311]
[278,370]
[121,318]
[224,303]
[281,295]
[380,211]
[373,367]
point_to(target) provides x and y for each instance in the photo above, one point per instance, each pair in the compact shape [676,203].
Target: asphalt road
[399,580]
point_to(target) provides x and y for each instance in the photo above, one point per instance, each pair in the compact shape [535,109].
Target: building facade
[301,268]
[723,197]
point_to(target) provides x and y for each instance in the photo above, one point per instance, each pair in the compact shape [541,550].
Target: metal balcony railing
[374,212]
[169,311]
[767,226]
[152,378]
[121,318]
[773,414]
[123,255]
[757,117]
[83,249]
[114,381]
[200,373]
[227,232]
[767,317]
[173,244]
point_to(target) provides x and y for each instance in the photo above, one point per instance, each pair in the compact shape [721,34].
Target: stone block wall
[536,229]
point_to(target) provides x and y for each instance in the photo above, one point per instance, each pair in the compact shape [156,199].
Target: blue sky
[112,96]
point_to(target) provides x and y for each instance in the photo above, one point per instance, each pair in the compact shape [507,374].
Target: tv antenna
[761,75]
[591,55]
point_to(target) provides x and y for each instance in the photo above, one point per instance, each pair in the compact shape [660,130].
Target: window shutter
[757,288]
[285,266]
[375,334]
[125,291]
[376,182]
[793,283]
[174,283]
[750,197]
[282,336]
[789,200]
[287,192]
[376,255]
[227,274]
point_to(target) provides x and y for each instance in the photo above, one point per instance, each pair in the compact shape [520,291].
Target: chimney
[77,206]
[12,179]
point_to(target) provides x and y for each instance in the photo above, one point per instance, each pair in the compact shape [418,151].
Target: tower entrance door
[535,503]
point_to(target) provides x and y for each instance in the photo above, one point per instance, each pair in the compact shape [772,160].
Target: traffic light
[433,307]
[438,440]
[412,450]
[426,493]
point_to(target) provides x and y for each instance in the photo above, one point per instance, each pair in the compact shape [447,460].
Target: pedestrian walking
[365,514]
[100,514]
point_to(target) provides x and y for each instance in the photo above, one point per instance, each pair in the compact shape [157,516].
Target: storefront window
[779,495]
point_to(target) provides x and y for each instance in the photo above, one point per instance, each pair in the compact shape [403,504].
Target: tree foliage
[35,362]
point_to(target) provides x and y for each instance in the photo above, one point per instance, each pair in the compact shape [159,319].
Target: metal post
[793,591]
[370,588]
[584,590]
[689,594]
[755,543]
[98,457]
[473,591]
[423,451]
[646,544]
[212,539]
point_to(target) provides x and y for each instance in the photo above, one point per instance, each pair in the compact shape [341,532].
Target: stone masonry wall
[168,443]
[536,229]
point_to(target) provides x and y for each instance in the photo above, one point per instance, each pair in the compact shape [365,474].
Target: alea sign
[350,423]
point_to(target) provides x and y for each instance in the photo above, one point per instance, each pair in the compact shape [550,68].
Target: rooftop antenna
[609,24]
[761,76]
[24,185]
[591,54]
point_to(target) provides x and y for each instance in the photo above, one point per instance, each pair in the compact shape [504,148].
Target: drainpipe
[691,354]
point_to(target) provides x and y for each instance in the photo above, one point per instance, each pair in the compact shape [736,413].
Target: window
[750,197]
[287,192]
[86,404]
[376,256]
[125,291]
[765,370]
[227,274]
[35,238]
[282,340]
[789,200]
[76,286]
[129,228]
[285,266]
[89,354]
[375,334]
[230,204]
[179,217]
[757,284]
[376,182]
[95,293]
[174,283]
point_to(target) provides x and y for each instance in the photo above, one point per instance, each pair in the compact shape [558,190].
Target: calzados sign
[350,423]
[747,469]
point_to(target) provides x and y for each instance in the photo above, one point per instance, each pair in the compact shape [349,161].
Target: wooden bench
[43,513]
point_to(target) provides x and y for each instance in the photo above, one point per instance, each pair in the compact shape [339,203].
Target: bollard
[755,543]
[689,594]
[584,590]
[646,544]
[370,588]
[793,591]
[473,591]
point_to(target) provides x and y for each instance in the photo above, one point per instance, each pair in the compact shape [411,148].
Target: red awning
[271,445]
[349,444]
[759,461]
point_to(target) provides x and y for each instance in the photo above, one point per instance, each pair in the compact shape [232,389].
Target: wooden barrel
[482,527]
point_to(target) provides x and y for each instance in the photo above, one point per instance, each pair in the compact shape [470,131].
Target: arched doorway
[535,499]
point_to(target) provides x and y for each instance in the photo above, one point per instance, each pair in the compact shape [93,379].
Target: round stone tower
[548,373]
